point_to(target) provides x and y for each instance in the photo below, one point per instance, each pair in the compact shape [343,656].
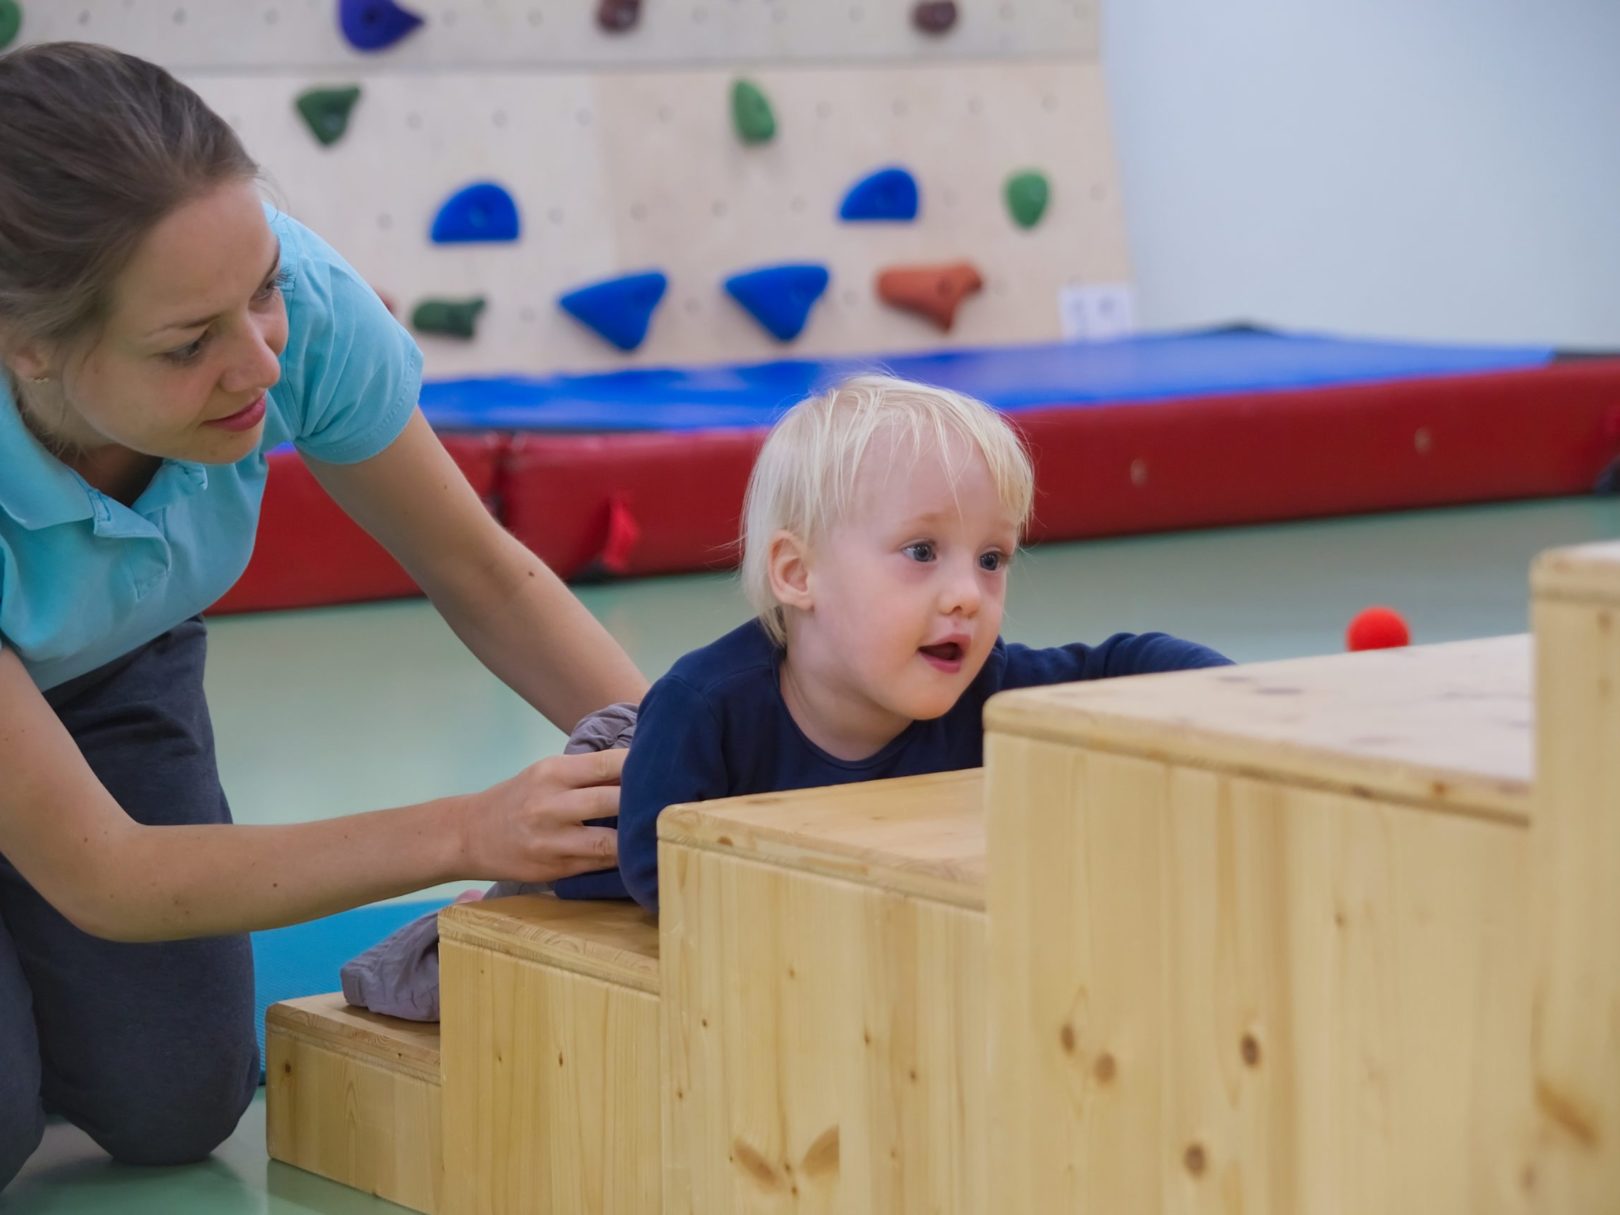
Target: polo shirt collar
[36,489]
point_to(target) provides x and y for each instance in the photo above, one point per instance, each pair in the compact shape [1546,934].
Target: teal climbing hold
[373,25]
[450,318]
[888,194]
[780,297]
[1027,195]
[10,22]
[482,211]
[326,111]
[751,113]
[619,310]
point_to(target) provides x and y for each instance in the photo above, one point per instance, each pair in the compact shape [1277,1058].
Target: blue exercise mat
[1009,377]
[304,959]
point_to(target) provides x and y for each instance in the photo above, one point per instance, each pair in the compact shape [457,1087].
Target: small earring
[39,379]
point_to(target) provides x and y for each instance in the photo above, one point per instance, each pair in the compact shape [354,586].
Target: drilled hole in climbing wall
[666,113]
[699,15]
[84,16]
[779,16]
[179,16]
[691,307]
[949,196]
[975,105]
[851,296]
[823,109]
[536,16]
[856,13]
[583,117]
[1099,192]
[413,120]
[718,207]
[1009,12]
[271,16]
[450,17]
[385,221]
[555,215]
[798,203]
[900,108]
[527,315]
[638,212]
[1049,103]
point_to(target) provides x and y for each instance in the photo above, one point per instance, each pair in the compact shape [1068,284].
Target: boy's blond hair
[804,479]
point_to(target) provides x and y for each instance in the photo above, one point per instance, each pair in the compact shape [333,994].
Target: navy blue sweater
[716,726]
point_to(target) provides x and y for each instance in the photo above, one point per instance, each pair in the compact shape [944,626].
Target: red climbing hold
[616,16]
[934,16]
[931,291]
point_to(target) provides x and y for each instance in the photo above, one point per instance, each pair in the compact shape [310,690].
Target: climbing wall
[620,152]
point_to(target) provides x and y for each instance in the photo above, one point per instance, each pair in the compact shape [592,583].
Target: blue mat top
[304,959]
[1008,377]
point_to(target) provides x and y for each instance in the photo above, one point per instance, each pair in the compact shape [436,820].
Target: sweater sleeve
[677,757]
[1121,654]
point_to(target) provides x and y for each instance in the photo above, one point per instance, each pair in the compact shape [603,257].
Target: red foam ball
[1377,628]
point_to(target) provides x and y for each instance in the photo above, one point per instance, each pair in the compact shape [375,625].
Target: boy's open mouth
[945,651]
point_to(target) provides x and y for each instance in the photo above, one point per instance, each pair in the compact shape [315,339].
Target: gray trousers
[149,1048]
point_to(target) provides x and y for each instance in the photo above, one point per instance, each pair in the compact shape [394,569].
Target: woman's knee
[183,1119]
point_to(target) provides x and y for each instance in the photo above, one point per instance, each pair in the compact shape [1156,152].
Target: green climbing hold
[326,111]
[1027,196]
[10,21]
[452,318]
[751,113]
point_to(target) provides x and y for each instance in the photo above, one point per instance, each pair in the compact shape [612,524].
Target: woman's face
[190,345]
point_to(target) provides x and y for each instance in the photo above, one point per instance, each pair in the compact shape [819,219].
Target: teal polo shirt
[85,579]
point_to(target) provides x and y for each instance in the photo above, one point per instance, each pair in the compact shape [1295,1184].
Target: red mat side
[669,502]
[1294,454]
[309,552]
[683,490]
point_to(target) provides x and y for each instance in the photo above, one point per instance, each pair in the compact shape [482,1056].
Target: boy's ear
[788,562]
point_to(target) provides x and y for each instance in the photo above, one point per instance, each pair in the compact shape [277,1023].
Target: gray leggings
[149,1048]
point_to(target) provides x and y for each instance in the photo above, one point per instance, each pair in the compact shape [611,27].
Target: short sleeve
[676,757]
[351,373]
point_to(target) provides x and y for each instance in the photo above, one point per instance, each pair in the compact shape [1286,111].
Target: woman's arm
[508,607]
[115,878]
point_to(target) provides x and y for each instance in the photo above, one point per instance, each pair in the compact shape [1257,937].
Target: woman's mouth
[245,418]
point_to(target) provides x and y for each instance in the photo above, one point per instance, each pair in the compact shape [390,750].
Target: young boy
[879,523]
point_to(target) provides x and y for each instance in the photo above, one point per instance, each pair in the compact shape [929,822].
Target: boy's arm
[676,757]
[1121,654]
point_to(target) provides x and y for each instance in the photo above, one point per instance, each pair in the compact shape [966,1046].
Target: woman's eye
[276,285]
[923,550]
[186,353]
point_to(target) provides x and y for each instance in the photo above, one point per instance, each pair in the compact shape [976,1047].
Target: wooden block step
[355,1097]
[551,1065]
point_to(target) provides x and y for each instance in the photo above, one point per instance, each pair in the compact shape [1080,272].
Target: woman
[161,330]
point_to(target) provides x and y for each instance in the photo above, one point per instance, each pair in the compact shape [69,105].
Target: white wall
[1444,169]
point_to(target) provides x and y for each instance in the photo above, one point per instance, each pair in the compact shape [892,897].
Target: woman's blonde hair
[804,479]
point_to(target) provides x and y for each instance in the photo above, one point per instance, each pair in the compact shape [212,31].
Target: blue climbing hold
[371,25]
[618,309]
[482,211]
[780,297]
[888,194]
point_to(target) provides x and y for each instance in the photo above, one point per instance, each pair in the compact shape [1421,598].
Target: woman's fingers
[585,769]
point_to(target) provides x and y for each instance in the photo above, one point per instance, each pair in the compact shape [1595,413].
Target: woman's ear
[28,359]
[788,562]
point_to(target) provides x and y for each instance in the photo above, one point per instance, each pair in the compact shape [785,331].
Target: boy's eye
[923,550]
[992,561]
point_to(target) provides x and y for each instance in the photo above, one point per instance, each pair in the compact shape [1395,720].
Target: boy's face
[908,589]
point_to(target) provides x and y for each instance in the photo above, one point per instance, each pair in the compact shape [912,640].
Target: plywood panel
[1218,993]
[355,1098]
[824,1043]
[1577,880]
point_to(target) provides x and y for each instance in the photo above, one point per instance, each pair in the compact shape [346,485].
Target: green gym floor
[332,710]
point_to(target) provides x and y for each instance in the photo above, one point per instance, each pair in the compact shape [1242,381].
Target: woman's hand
[531,828]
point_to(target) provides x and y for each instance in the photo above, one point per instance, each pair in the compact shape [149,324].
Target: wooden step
[551,1067]
[355,1097]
